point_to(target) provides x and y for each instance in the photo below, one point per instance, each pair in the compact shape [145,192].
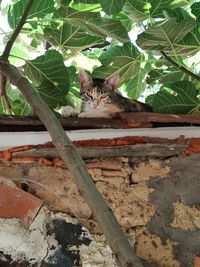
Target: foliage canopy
[138,39]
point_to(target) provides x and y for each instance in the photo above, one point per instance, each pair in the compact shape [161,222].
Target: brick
[16,203]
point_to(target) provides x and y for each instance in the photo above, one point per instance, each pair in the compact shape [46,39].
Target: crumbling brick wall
[155,200]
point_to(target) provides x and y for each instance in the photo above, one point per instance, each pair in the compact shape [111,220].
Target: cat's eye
[103,96]
[88,95]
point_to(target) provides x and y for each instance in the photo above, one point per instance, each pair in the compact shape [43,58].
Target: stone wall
[155,200]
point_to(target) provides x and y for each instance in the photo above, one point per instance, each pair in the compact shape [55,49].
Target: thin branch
[5,101]
[6,54]
[181,68]
[100,45]
[17,30]
[115,236]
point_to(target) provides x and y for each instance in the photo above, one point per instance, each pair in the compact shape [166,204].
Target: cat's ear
[113,81]
[84,77]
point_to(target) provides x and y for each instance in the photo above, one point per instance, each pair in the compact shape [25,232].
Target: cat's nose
[95,103]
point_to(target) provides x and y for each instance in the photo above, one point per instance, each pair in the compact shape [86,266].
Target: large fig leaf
[140,10]
[112,7]
[190,45]
[85,1]
[125,20]
[18,102]
[169,36]
[70,37]
[137,84]
[40,9]
[195,8]
[86,5]
[93,23]
[164,76]
[183,99]
[50,77]
[124,60]
[136,10]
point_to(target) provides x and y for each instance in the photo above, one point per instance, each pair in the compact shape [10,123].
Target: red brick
[16,203]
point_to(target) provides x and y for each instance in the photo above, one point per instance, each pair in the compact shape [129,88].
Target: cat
[101,100]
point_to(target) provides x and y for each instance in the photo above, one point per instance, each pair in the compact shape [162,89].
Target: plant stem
[100,45]
[181,68]
[6,53]
[116,238]
[15,33]
[5,101]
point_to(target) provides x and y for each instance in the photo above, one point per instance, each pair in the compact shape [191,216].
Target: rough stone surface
[131,208]
[30,245]
[187,218]
[181,184]
[143,171]
[150,248]
[53,240]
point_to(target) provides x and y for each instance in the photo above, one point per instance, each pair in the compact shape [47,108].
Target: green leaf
[124,60]
[195,8]
[190,45]
[18,102]
[182,100]
[163,76]
[85,1]
[125,20]
[70,37]
[40,9]
[136,10]
[73,98]
[149,100]
[169,37]
[21,108]
[112,7]
[178,13]
[93,23]
[137,85]
[50,77]
[140,10]
[84,5]
[1,107]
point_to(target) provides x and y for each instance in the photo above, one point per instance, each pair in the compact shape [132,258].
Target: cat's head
[96,91]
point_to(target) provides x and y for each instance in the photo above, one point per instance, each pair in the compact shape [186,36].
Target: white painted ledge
[13,139]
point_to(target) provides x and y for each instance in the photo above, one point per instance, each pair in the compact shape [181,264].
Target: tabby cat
[100,99]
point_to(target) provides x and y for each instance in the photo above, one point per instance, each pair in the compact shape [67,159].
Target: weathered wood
[139,150]
[31,123]
[19,120]
[124,120]
[160,118]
